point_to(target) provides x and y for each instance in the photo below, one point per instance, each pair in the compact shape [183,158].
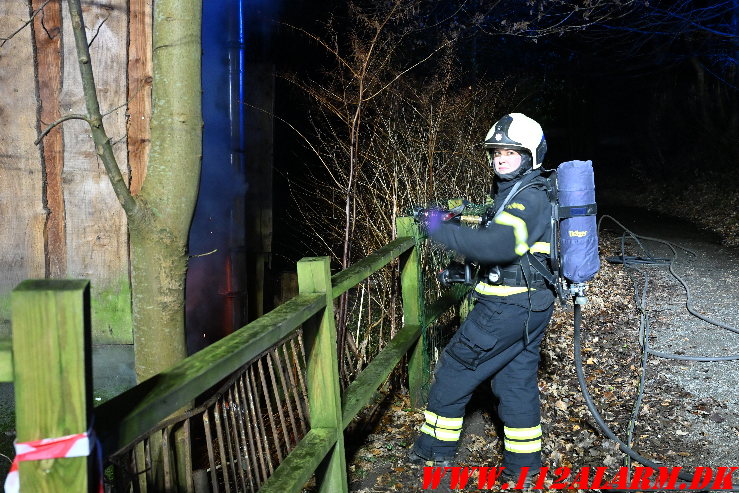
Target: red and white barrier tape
[79,445]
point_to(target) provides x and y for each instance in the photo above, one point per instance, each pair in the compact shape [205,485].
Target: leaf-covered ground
[670,427]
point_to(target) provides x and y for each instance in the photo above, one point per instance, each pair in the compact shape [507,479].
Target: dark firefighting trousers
[490,342]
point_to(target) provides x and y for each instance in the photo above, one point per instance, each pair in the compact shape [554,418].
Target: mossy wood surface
[299,465]
[324,391]
[133,413]
[6,360]
[411,283]
[361,390]
[350,277]
[52,384]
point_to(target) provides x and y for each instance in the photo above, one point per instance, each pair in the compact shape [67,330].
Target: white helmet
[517,131]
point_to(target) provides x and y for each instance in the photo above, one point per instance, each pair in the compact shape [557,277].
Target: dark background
[647,92]
[650,95]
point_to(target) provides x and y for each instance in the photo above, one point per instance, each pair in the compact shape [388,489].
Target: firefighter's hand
[430,219]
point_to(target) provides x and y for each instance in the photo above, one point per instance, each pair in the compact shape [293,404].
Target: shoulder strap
[520,187]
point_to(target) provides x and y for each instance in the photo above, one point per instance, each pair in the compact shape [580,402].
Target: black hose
[689,298]
[594,411]
[644,333]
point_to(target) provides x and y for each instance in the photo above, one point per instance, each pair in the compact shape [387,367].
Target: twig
[5,40]
[57,122]
[136,93]
[402,73]
[204,254]
[97,31]
[125,136]
[328,48]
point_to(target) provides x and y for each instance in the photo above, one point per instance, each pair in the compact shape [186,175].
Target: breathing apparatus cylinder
[578,234]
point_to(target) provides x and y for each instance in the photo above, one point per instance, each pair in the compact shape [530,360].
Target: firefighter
[501,336]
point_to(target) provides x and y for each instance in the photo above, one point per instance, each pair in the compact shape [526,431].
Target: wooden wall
[59,217]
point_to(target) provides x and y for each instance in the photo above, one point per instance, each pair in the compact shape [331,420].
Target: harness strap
[522,184]
[577,210]
[541,269]
[513,276]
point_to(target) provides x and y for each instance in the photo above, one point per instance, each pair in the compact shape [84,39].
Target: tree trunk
[159,217]
[169,192]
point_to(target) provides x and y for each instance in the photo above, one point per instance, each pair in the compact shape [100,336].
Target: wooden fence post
[324,391]
[6,360]
[411,281]
[52,375]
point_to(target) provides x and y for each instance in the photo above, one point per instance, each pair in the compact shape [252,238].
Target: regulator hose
[594,411]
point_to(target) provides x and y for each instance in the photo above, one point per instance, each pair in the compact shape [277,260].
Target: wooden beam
[301,463]
[53,381]
[350,277]
[361,390]
[411,282]
[21,176]
[6,360]
[139,89]
[133,413]
[324,391]
[47,39]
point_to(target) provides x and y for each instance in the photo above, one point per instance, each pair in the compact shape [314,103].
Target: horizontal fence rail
[130,415]
[278,414]
[358,272]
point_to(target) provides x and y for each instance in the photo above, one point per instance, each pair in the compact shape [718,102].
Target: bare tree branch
[328,48]
[5,40]
[403,72]
[103,148]
[57,122]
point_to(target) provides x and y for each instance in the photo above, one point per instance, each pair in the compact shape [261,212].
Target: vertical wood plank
[6,360]
[411,282]
[324,393]
[47,38]
[21,181]
[183,457]
[52,376]
[139,89]
[139,483]
[96,228]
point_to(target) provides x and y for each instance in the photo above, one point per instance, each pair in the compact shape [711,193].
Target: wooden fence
[50,365]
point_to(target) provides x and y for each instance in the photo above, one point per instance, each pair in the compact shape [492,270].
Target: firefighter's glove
[454,273]
[431,219]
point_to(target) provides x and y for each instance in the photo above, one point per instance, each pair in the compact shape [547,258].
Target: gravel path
[707,400]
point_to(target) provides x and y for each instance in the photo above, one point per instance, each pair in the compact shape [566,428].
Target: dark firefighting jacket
[523,226]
